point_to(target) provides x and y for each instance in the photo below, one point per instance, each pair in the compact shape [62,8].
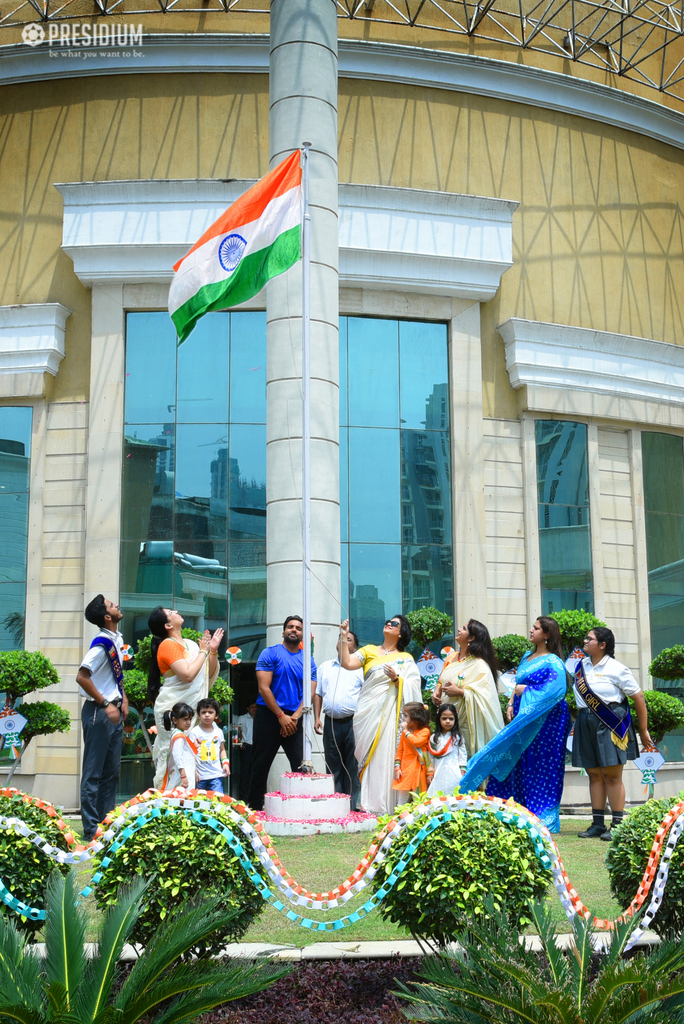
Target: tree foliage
[22,672]
[510,649]
[574,626]
[627,861]
[428,625]
[23,866]
[453,872]
[669,664]
[181,858]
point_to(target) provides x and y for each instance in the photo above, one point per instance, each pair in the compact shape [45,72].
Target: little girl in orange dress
[412,768]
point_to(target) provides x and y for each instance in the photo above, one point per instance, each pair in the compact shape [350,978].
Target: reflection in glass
[344,484]
[425,487]
[564,532]
[424,375]
[195,486]
[375,588]
[247,367]
[374,485]
[663,469]
[427,578]
[344,390]
[150,368]
[247,513]
[203,372]
[15,465]
[149,469]
[373,372]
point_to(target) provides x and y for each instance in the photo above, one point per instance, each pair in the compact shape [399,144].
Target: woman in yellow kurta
[390,680]
[468,681]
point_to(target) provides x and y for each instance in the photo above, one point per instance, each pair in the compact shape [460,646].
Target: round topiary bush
[24,869]
[187,860]
[510,649]
[627,859]
[455,869]
[574,626]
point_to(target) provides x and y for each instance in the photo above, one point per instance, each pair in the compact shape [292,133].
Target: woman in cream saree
[468,681]
[391,679]
[180,670]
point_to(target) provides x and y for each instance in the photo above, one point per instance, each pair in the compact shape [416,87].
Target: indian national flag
[257,238]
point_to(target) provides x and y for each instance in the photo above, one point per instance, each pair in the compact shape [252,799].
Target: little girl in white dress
[447,751]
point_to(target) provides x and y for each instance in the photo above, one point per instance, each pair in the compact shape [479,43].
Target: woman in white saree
[391,679]
[180,670]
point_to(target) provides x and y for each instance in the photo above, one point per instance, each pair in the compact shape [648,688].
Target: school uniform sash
[112,653]
[619,727]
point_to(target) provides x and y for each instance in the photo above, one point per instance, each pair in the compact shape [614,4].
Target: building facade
[497,360]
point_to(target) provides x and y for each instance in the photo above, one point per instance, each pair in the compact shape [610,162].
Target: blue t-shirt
[288,673]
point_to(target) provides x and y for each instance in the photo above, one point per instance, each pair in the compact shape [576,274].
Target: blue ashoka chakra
[230,251]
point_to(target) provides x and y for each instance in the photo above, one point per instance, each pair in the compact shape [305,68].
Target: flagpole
[307,764]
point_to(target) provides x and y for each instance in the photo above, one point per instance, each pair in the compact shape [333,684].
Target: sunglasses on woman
[394,623]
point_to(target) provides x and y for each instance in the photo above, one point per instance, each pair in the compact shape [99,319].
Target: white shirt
[96,660]
[339,687]
[208,743]
[246,723]
[610,680]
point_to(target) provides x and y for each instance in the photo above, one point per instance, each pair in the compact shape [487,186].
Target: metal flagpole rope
[307,764]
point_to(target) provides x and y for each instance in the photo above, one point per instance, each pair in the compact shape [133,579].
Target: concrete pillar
[467,452]
[303,107]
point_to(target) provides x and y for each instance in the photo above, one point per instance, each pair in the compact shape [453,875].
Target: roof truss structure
[640,40]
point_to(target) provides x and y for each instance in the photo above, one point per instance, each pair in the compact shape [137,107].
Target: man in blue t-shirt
[278,718]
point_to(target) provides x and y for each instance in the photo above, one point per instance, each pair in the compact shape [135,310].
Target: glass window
[395,472]
[247,367]
[663,469]
[374,506]
[563,504]
[202,394]
[15,464]
[194,483]
[373,367]
[424,376]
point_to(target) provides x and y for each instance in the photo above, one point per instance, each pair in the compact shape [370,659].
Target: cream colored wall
[505,527]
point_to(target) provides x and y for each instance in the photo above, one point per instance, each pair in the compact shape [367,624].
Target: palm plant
[494,977]
[68,988]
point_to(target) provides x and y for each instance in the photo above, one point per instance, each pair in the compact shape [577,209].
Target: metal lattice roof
[640,40]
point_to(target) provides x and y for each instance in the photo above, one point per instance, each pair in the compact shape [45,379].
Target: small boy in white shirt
[211,761]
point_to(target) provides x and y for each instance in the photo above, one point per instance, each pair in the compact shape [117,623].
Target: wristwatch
[104,703]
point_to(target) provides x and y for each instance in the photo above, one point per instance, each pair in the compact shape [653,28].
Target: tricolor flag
[257,238]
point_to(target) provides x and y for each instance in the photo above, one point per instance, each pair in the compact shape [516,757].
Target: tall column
[303,108]
[467,446]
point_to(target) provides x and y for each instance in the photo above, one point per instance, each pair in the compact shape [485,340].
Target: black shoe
[607,836]
[593,832]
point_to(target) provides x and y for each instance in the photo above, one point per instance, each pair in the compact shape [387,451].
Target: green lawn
[322,862]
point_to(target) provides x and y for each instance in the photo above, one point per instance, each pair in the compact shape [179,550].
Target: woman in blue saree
[526,760]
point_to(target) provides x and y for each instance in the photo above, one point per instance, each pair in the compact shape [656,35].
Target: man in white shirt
[102,715]
[246,725]
[337,693]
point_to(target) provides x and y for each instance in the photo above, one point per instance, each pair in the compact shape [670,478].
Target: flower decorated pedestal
[307,805]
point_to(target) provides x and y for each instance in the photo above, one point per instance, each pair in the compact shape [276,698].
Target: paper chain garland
[122,824]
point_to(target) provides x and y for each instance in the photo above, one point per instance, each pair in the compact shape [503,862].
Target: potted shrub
[22,673]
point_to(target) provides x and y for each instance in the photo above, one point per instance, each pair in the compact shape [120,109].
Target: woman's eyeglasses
[394,623]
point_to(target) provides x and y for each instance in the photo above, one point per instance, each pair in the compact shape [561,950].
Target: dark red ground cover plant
[326,992]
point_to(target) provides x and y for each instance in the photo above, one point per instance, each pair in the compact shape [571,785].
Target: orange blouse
[168,652]
[413,761]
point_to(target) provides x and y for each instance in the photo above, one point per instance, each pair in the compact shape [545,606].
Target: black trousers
[245,770]
[338,747]
[102,741]
[266,741]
